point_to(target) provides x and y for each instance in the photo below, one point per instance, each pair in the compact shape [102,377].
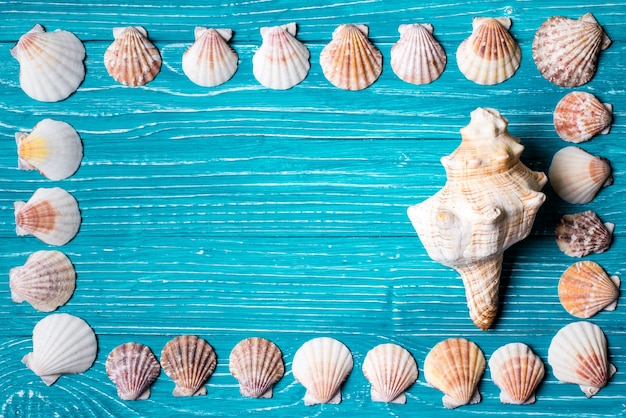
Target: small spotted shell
[581,234]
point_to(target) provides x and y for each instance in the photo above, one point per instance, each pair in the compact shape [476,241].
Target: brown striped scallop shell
[579,116]
[133,368]
[132,59]
[391,370]
[581,234]
[585,289]
[257,364]
[517,371]
[189,361]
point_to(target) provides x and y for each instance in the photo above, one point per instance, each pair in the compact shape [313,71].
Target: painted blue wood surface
[236,211]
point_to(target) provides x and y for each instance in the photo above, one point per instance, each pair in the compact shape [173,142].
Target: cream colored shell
[585,289]
[391,370]
[189,361]
[132,59]
[417,57]
[133,368]
[210,61]
[257,364]
[517,371]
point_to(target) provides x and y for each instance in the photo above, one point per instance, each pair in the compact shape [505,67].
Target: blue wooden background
[238,211]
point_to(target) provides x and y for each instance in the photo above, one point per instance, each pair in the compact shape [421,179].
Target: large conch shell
[488,204]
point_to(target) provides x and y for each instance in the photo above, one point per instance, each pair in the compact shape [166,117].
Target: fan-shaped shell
[257,364]
[455,366]
[210,61]
[580,115]
[583,233]
[62,344]
[281,61]
[51,63]
[189,361]
[517,371]
[133,368]
[391,370]
[577,176]
[321,365]
[578,354]
[53,148]
[132,59]
[417,57]
[52,215]
[350,61]
[490,55]
[585,289]
[566,51]
[46,281]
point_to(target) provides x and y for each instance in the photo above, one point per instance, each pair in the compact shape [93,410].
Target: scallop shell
[321,365]
[455,366]
[517,371]
[281,61]
[257,364]
[585,289]
[578,355]
[46,281]
[189,361]
[391,370]
[210,61]
[583,233]
[52,215]
[579,116]
[62,344]
[577,176]
[51,63]
[53,148]
[417,57]
[490,55]
[132,59]
[350,61]
[566,51]
[133,368]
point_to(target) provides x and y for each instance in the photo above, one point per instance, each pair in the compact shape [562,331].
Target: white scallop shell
[417,57]
[62,344]
[391,370]
[321,365]
[133,368]
[210,61]
[53,148]
[189,361]
[517,371]
[132,59]
[51,63]
[257,364]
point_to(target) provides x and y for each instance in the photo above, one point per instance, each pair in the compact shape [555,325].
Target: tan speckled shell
[580,115]
[517,371]
[417,57]
[132,59]
[189,361]
[257,364]
[581,234]
[391,370]
[585,289]
[133,368]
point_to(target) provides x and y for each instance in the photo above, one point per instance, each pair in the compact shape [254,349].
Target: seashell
[350,61]
[132,59]
[257,364]
[455,366]
[52,215]
[578,355]
[53,148]
[585,289]
[583,233]
[579,116]
[488,203]
[210,61]
[577,176]
[51,63]
[321,365]
[189,361]
[62,344]
[47,280]
[566,51]
[281,61]
[517,371]
[417,57]
[391,370]
[133,368]
[490,55]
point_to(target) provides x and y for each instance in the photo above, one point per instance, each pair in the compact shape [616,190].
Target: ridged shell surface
[132,59]
[566,51]
[350,61]
[517,371]
[53,148]
[46,281]
[62,344]
[257,364]
[578,176]
[580,115]
[417,57]
[490,55]
[455,366]
[133,368]
[583,233]
[585,289]
[51,63]
[51,214]
[210,61]
[391,370]
[189,361]
[578,354]
[321,365]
